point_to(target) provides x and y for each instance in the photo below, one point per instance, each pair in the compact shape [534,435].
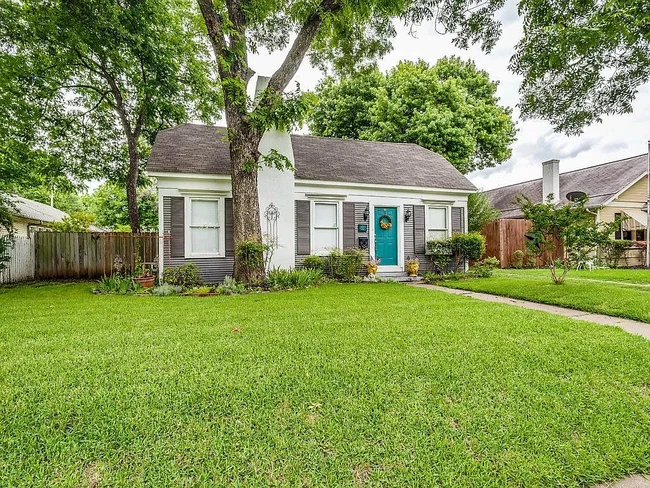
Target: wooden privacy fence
[503,237]
[21,265]
[90,254]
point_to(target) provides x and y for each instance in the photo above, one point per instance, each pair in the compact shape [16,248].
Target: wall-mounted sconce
[366,213]
[408,214]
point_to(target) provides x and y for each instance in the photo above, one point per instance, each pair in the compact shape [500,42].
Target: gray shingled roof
[31,210]
[601,182]
[192,148]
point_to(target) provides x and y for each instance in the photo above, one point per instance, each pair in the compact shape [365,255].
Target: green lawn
[344,385]
[617,292]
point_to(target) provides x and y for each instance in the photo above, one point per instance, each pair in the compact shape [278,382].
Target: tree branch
[215,31]
[291,63]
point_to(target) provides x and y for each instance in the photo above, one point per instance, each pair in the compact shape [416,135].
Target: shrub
[518,259]
[166,290]
[186,276]
[467,248]
[230,286]
[440,252]
[116,285]
[614,249]
[313,262]
[344,265]
[284,279]
[201,290]
[484,268]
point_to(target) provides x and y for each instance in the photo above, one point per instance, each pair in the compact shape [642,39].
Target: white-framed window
[437,222]
[204,227]
[325,227]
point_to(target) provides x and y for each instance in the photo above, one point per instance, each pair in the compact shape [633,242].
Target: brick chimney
[551,180]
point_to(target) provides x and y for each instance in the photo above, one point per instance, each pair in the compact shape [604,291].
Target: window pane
[326,215]
[437,218]
[204,212]
[436,234]
[325,238]
[204,241]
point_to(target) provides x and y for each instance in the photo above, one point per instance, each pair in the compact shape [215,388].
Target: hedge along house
[337,197]
[617,188]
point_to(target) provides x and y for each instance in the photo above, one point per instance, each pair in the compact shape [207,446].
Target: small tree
[480,212]
[571,227]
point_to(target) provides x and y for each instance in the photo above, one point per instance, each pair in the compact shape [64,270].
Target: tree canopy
[450,108]
[581,59]
[90,82]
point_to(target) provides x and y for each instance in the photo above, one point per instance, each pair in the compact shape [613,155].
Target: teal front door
[386,235]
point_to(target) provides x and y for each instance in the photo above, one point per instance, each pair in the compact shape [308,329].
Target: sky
[617,137]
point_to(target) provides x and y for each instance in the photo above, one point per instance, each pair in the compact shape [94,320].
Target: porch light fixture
[408,214]
[366,213]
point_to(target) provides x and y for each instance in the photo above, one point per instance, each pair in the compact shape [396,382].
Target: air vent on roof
[574,196]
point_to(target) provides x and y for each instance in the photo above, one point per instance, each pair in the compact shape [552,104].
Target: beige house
[30,216]
[617,188]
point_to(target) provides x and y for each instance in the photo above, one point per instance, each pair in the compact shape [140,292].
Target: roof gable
[193,148]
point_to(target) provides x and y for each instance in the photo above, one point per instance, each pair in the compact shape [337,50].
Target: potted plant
[144,277]
[371,265]
[412,266]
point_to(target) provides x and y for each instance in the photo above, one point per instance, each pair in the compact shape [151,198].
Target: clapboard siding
[457,220]
[213,270]
[303,242]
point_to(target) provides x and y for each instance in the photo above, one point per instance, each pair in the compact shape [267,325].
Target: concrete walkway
[631,326]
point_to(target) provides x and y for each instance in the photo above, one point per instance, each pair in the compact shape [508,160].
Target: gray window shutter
[457,220]
[348,225]
[420,243]
[303,243]
[230,238]
[178,227]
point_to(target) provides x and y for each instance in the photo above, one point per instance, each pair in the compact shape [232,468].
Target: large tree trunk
[132,185]
[244,155]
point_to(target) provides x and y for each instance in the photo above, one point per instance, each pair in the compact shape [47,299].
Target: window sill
[204,256]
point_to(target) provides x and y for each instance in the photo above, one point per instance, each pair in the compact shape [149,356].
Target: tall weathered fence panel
[21,265]
[503,237]
[90,254]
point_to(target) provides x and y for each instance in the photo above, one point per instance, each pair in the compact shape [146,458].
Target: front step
[400,276]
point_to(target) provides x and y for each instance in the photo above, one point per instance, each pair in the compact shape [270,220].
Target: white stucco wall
[277,188]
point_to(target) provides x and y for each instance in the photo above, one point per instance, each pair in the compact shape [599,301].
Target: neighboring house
[617,188]
[30,216]
[336,198]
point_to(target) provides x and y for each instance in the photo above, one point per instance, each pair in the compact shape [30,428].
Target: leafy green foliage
[440,252]
[613,250]
[186,276]
[480,211]
[98,78]
[293,279]
[450,108]
[116,285]
[109,206]
[571,227]
[230,286]
[166,290]
[77,222]
[581,59]
[314,262]
[251,258]
[518,259]
[485,267]
[467,247]
[344,265]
